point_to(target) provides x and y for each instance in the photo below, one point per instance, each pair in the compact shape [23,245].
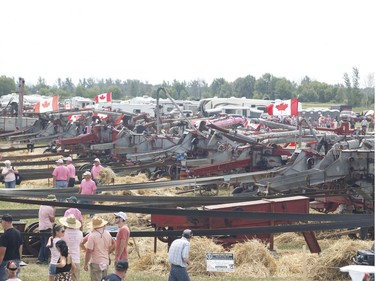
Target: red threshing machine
[292,205]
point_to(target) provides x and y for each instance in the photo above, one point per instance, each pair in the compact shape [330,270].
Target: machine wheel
[164,239]
[173,171]
[209,190]
[147,172]
[32,243]
[85,167]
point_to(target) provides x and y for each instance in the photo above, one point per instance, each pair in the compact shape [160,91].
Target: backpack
[18,178]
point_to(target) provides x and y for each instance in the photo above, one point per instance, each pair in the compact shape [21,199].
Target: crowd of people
[63,242]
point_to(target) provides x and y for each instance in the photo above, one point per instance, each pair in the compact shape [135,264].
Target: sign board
[220,262]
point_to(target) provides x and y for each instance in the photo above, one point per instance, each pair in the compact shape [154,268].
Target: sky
[163,40]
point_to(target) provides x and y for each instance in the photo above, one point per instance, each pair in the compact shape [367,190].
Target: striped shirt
[179,250]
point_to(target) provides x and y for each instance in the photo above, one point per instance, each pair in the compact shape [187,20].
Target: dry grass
[338,255]
[253,259]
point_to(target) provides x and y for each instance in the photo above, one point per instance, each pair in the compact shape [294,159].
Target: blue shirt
[179,250]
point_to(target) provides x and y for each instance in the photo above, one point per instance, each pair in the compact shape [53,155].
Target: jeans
[71,182]
[44,251]
[10,184]
[61,184]
[3,273]
[178,273]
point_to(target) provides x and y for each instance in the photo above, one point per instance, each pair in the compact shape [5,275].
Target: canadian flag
[105,97]
[284,107]
[46,105]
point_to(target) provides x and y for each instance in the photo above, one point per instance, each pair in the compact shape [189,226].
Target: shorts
[52,269]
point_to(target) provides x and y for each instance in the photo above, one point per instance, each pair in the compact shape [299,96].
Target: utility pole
[21,92]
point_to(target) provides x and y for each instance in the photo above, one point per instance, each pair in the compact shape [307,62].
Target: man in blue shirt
[178,257]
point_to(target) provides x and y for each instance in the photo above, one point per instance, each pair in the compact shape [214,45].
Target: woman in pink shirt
[87,186]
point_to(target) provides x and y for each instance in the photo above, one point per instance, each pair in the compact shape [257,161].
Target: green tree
[244,87]
[283,89]
[352,88]
[115,90]
[221,88]
[180,89]
[7,85]
[264,86]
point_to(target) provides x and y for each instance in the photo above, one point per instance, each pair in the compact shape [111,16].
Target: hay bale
[292,265]
[253,254]
[288,237]
[338,255]
[156,263]
[199,246]
[107,175]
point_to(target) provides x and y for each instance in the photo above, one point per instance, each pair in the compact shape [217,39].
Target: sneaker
[39,262]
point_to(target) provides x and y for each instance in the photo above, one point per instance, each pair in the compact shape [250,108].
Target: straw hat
[98,222]
[51,197]
[70,221]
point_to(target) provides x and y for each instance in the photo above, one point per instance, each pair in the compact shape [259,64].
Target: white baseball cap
[121,215]
[60,161]
[69,159]
[97,160]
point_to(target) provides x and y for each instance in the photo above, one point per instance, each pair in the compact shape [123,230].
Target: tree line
[266,87]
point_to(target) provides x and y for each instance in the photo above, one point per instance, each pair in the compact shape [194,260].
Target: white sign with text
[220,262]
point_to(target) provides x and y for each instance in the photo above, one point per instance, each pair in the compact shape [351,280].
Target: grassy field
[33,272]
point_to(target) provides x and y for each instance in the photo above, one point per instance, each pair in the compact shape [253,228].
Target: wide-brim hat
[98,222]
[70,221]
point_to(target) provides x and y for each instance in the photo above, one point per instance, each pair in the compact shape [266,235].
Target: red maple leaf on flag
[45,104]
[281,106]
[102,97]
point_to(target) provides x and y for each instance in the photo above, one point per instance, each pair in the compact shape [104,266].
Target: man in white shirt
[178,257]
